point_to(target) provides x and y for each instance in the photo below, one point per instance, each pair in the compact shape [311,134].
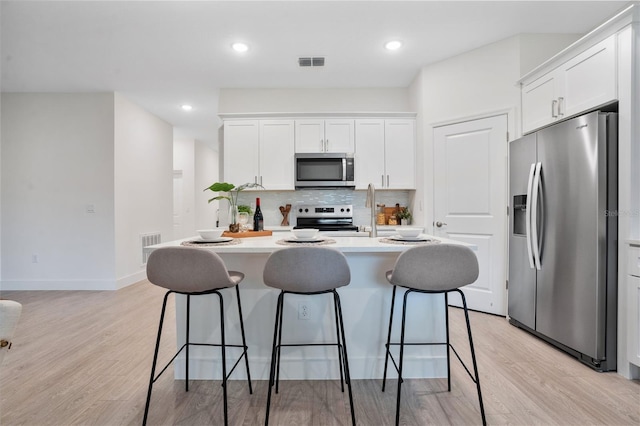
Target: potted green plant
[404,216]
[232,197]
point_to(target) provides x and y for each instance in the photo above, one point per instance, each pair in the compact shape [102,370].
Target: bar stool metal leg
[388,347]
[279,351]
[186,374]
[244,341]
[155,359]
[446,321]
[224,360]
[347,373]
[476,379]
[335,311]
[273,355]
[404,317]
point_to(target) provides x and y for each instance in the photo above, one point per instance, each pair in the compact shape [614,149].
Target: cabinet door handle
[326,145]
[554,108]
[382,184]
[260,180]
[387,181]
[561,106]
[255,179]
[321,145]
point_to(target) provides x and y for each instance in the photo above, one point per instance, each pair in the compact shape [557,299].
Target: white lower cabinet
[385,153]
[259,151]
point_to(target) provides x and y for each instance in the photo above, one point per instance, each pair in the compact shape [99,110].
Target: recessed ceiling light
[187,107]
[393,45]
[240,47]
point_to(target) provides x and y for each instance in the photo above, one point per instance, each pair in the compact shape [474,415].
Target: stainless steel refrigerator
[563,236]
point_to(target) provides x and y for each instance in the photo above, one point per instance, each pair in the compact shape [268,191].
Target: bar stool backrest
[435,267]
[187,270]
[307,269]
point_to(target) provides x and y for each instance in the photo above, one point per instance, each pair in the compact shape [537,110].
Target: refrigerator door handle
[527,219]
[534,216]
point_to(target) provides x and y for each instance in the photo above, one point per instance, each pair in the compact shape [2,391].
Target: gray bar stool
[194,272]
[433,269]
[308,271]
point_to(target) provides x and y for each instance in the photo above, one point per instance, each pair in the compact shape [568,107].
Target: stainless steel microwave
[324,170]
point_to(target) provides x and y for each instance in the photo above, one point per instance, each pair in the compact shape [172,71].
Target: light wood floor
[84,357]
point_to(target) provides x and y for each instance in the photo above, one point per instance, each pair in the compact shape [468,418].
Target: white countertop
[346,244]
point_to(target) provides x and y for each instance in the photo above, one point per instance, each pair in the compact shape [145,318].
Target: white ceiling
[163,54]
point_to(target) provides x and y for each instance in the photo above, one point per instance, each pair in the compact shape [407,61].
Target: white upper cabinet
[589,79]
[400,153]
[276,154]
[241,145]
[385,153]
[581,83]
[259,151]
[329,135]
[369,156]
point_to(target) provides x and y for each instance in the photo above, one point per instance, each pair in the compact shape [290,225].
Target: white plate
[304,240]
[401,238]
[216,240]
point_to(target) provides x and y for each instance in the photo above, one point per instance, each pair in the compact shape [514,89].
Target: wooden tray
[247,234]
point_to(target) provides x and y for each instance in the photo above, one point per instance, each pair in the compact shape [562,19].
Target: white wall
[477,82]
[183,188]
[207,172]
[198,164]
[143,164]
[537,48]
[480,82]
[313,100]
[57,158]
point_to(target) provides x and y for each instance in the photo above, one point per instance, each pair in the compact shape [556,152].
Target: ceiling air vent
[311,62]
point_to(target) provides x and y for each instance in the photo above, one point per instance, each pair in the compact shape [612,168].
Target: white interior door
[470,187]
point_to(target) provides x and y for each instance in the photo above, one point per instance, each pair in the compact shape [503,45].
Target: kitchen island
[365,303]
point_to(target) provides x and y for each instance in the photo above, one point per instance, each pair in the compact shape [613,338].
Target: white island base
[365,304]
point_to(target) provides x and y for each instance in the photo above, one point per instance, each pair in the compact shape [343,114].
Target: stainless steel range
[325,217]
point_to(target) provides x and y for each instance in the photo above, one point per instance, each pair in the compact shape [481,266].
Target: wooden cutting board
[247,234]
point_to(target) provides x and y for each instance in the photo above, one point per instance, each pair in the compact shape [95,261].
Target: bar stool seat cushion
[437,267]
[189,270]
[307,270]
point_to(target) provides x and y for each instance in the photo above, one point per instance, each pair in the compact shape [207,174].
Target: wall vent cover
[317,61]
[149,240]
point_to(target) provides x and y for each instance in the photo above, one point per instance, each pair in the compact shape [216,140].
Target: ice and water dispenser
[519,214]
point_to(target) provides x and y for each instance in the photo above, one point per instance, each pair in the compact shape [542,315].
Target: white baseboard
[131,279]
[94,285]
[33,285]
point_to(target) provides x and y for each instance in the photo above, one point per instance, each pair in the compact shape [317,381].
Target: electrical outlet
[304,313]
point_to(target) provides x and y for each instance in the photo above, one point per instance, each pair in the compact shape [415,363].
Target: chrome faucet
[371,202]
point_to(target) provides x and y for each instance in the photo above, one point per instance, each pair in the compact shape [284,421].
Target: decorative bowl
[408,232]
[305,233]
[210,234]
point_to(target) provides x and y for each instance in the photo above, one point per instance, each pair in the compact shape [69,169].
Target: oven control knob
[342,210]
[348,210]
[299,210]
[306,210]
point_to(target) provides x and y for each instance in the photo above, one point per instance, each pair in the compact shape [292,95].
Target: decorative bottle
[258,219]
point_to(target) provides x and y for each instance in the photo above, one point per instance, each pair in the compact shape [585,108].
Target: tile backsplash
[270,201]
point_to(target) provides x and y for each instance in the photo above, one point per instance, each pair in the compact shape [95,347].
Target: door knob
[439,224]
